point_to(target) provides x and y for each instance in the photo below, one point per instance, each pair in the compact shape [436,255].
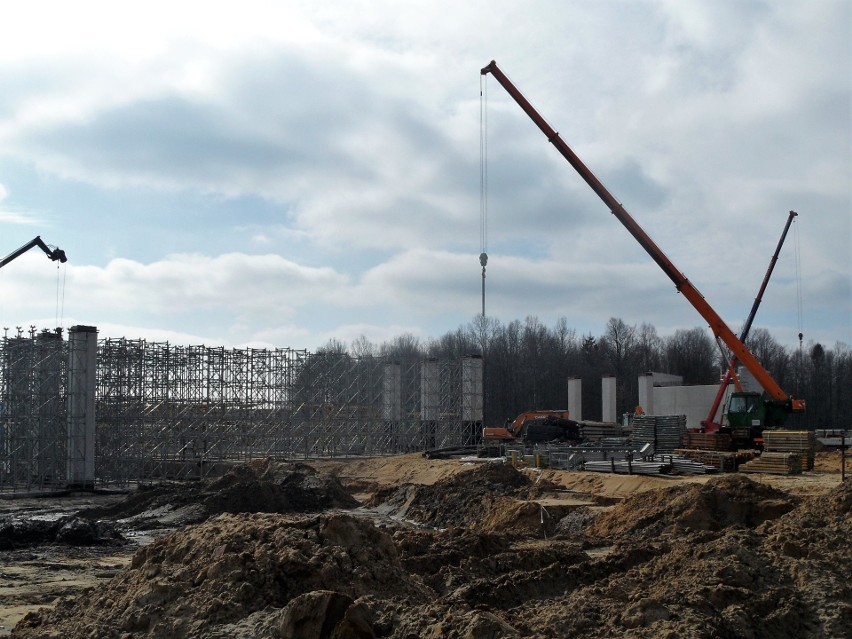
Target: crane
[743,399]
[54,253]
[780,403]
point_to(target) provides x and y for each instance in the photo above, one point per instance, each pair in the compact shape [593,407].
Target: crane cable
[483,180]
[799,305]
[60,296]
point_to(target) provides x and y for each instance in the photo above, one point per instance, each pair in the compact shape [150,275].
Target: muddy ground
[406,547]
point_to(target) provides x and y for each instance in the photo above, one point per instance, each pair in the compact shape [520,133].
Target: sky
[283,174]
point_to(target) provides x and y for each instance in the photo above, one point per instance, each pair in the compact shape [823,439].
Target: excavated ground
[441,548]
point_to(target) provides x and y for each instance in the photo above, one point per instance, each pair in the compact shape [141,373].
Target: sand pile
[218,575]
[488,498]
[729,500]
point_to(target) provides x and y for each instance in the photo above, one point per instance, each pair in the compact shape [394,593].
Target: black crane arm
[54,254]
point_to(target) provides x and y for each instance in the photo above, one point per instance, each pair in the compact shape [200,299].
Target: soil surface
[406,547]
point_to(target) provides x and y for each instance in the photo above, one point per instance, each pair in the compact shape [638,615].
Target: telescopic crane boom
[682,284]
[54,254]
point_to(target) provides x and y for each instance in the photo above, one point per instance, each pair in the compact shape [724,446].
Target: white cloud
[358,124]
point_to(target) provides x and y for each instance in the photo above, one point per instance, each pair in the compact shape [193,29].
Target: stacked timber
[664,432]
[709,441]
[800,442]
[775,463]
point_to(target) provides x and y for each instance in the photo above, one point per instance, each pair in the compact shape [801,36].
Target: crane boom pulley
[682,284]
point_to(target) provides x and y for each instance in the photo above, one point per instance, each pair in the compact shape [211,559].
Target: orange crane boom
[682,284]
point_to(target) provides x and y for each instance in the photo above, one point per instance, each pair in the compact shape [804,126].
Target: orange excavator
[535,426]
[779,404]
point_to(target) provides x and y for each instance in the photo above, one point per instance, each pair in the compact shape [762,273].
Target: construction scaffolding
[184,412]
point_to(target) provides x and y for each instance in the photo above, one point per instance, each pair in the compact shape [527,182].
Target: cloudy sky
[285,173]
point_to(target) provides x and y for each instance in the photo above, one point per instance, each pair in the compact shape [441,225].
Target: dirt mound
[729,500]
[814,543]
[231,566]
[721,558]
[485,499]
[266,486]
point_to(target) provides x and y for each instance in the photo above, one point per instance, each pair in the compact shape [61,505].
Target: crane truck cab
[749,413]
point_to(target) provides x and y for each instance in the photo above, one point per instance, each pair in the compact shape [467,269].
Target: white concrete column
[646,393]
[608,384]
[82,377]
[575,398]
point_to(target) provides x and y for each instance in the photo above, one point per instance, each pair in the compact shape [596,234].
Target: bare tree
[691,354]
[362,347]
[649,348]
[405,346]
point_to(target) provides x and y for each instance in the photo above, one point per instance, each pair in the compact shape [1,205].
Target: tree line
[527,364]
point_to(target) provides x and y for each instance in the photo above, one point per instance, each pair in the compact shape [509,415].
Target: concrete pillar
[392,392]
[575,398]
[82,376]
[608,399]
[646,393]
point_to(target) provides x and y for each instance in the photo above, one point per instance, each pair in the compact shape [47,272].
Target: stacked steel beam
[628,467]
[664,432]
[595,431]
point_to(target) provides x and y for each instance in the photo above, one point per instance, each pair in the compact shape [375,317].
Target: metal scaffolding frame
[33,446]
[185,412]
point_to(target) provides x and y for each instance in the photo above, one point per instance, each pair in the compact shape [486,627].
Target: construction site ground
[408,547]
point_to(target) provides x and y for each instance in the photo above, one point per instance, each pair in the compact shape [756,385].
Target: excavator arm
[682,284]
[54,254]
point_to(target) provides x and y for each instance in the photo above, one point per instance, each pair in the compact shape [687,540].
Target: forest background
[528,364]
